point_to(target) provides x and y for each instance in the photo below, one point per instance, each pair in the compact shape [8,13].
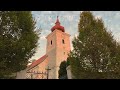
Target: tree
[95,53]
[62,71]
[18,41]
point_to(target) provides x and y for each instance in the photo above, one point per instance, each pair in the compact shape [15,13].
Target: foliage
[62,71]
[18,40]
[68,62]
[96,54]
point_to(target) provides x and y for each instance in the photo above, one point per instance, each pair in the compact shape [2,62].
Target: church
[57,49]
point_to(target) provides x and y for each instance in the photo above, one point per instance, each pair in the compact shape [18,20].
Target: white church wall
[69,74]
[21,74]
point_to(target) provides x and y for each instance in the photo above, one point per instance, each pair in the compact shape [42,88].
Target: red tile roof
[35,63]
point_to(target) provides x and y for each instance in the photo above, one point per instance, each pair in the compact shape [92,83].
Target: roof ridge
[36,62]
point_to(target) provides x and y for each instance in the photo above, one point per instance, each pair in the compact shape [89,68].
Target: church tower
[58,47]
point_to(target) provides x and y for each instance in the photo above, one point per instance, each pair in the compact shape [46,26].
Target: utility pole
[48,69]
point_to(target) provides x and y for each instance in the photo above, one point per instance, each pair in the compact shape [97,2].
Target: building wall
[62,49]
[21,74]
[69,74]
[57,52]
[39,69]
[52,62]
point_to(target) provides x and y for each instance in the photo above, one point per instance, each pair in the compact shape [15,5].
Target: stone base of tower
[53,73]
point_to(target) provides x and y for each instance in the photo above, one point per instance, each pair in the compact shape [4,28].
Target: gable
[37,62]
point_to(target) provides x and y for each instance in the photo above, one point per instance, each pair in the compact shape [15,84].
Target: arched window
[63,41]
[51,42]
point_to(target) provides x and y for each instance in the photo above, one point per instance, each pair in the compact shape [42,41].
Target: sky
[70,19]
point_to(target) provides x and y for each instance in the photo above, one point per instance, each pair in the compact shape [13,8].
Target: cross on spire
[58,26]
[57,22]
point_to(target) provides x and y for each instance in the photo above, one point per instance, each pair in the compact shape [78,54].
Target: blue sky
[69,19]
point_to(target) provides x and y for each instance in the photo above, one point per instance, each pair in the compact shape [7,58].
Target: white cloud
[69,19]
[98,17]
[43,37]
[117,36]
[117,15]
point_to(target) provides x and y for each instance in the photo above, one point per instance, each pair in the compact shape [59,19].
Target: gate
[38,75]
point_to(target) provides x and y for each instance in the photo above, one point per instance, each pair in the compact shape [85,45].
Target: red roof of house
[35,63]
[57,26]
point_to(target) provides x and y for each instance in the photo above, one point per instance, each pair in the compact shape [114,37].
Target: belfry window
[51,42]
[63,41]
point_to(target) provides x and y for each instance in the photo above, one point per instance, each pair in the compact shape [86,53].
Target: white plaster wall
[69,74]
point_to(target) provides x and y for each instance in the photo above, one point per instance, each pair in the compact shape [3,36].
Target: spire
[57,26]
[57,21]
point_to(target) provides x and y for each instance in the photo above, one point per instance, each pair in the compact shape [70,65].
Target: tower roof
[58,26]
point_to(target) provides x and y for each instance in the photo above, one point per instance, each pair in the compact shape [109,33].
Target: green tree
[18,41]
[62,71]
[95,53]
